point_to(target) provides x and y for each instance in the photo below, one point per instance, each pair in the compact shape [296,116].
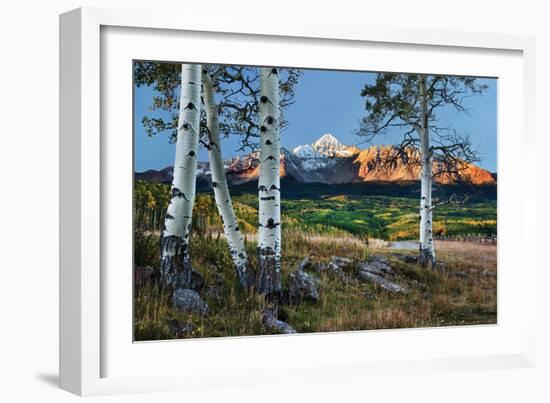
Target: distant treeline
[292,189]
[390,217]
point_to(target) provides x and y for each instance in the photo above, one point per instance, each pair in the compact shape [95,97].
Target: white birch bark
[234,236]
[175,265]
[269,227]
[427,251]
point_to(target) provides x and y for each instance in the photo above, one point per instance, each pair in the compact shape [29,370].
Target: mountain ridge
[329,161]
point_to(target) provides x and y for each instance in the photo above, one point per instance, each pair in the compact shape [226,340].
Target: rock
[189,301]
[306,264]
[458,274]
[341,261]
[376,265]
[302,287]
[337,271]
[365,276]
[319,267]
[179,329]
[143,275]
[336,267]
[333,267]
[198,280]
[273,324]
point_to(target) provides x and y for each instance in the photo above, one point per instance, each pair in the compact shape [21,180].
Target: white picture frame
[97,357]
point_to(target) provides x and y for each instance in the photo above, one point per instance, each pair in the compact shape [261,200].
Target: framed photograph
[234,202]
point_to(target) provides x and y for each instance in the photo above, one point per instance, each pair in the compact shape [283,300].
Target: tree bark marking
[427,251]
[175,264]
[234,237]
[269,228]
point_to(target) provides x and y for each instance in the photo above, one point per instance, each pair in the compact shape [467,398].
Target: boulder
[365,276]
[302,287]
[376,265]
[341,261]
[305,264]
[197,280]
[319,267]
[337,271]
[271,323]
[189,301]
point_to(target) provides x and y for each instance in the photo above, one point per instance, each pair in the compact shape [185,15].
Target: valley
[383,211]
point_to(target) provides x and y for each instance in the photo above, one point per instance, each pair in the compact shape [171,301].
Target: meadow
[364,216]
[382,217]
[462,291]
[465,294]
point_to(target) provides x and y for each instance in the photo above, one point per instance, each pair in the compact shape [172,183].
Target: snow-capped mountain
[329,161]
[327,146]
[323,153]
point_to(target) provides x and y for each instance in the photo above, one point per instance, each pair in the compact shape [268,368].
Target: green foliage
[146,248]
[390,218]
[434,298]
[236,89]
[150,202]
[369,216]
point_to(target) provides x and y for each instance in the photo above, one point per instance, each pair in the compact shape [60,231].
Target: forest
[390,218]
[273,256]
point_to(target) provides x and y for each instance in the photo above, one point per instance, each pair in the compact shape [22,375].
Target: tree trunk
[269,227]
[427,251]
[231,229]
[175,264]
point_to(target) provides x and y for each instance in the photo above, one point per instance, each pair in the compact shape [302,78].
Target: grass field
[361,215]
[383,217]
[463,292]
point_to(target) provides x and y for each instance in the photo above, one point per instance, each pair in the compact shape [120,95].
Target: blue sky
[330,102]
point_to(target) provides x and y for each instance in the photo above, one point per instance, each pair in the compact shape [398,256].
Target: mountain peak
[328,140]
[326,147]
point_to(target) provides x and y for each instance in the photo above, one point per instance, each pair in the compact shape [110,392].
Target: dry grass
[459,295]
[469,254]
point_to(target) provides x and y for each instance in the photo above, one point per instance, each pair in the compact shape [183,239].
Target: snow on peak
[327,140]
[322,153]
[304,151]
[327,146]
